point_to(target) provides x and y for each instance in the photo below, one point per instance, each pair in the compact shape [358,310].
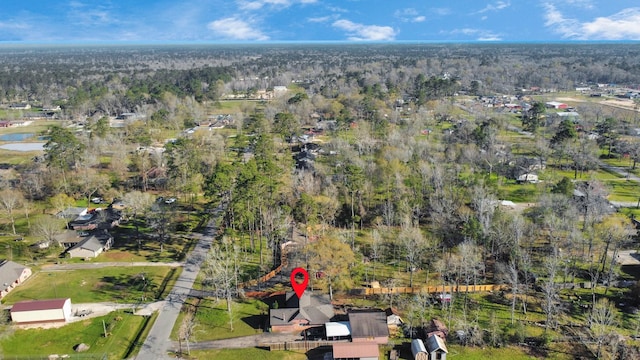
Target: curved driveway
[158,344]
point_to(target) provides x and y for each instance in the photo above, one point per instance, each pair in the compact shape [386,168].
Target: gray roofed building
[12,274]
[369,325]
[311,309]
[91,246]
[72,212]
[436,348]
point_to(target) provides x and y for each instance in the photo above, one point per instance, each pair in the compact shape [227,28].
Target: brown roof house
[369,326]
[359,351]
[299,314]
[12,274]
[41,311]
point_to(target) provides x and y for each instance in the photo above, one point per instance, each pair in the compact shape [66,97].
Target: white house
[41,311]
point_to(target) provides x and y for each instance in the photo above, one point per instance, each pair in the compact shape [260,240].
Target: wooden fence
[428,289]
[270,275]
[295,345]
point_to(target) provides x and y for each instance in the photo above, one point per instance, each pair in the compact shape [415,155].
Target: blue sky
[82,21]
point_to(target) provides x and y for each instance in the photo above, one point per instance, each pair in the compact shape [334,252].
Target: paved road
[624,172]
[157,344]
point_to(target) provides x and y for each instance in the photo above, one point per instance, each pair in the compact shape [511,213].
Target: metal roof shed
[41,311]
[336,330]
[418,350]
[362,351]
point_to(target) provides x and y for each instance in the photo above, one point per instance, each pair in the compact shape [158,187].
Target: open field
[122,329]
[212,319]
[252,353]
[119,284]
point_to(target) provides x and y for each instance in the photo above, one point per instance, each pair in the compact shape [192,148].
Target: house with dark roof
[298,314]
[12,274]
[97,219]
[91,246]
[41,311]
[369,326]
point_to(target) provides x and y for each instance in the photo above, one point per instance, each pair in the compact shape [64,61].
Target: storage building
[41,311]
[418,350]
[355,351]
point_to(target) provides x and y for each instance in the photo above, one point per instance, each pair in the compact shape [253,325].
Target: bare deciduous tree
[10,201]
[602,322]
[221,272]
[48,227]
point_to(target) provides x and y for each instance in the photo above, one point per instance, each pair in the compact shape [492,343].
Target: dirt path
[243,342]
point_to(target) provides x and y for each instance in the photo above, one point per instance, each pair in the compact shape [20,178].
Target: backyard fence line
[268,276]
[428,289]
[296,346]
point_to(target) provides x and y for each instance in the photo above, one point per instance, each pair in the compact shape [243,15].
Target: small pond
[28,146]
[16,137]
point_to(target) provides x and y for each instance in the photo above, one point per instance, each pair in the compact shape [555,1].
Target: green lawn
[118,284]
[122,327]
[252,353]
[506,353]
[212,319]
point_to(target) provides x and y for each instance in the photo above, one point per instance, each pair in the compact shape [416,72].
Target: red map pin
[299,288]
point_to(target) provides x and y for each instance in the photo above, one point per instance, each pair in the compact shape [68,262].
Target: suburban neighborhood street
[157,344]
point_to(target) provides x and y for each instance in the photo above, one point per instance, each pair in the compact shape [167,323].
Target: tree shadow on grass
[257,322]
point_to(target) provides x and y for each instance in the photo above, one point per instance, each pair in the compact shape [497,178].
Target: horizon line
[304,42]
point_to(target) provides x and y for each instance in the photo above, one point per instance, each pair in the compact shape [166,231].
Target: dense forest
[404,180]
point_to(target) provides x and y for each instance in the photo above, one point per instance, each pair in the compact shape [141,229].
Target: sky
[263,21]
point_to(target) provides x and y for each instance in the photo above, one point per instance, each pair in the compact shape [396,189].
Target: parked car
[96,200]
[170,201]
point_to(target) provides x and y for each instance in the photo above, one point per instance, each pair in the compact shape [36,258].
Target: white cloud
[478,34]
[441,11]
[409,15]
[587,4]
[337,9]
[496,6]
[360,32]
[236,29]
[259,4]
[89,14]
[624,25]
[12,25]
[321,19]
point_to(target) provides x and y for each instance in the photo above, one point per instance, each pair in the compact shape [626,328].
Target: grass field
[212,319]
[117,284]
[122,328]
[253,354]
